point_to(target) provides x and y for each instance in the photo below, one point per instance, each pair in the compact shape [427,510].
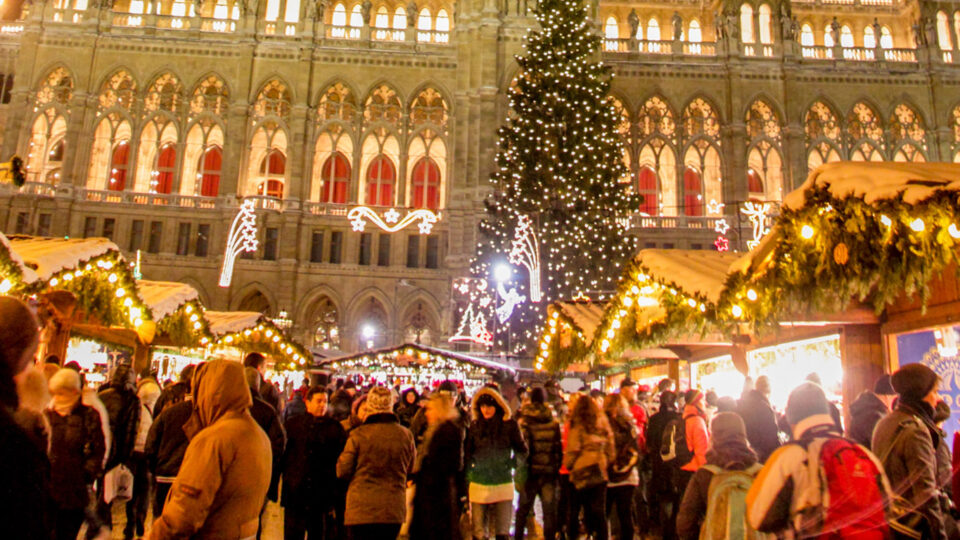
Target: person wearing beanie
[729,451]
[664,496]
[698,438]
[760,418]
[906,439]
[542,465]
[869,407]
[376,461]
[491,448]
[786,499]
[814,377]
[76,451]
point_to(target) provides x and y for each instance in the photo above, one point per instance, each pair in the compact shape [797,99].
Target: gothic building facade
[149,121]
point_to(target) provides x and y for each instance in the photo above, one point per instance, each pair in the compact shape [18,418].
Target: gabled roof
[47,256]
[225,322]
[165,297]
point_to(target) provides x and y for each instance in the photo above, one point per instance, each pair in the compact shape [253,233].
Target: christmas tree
[560,164]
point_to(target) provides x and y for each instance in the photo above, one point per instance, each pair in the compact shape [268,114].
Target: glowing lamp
[917,225]
[806,232]
[5,286]
[737,311]
[752,295]
[885,220]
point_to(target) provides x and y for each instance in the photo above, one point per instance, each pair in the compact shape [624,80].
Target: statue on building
[365,8]
[717,26]
[877,32]
[412,14]
[733,25]
[835,31]
[677,23]
[786,27]
[918,35]
[313,9]
[633,20]
[930,31]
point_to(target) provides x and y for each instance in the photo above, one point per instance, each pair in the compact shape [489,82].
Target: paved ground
[273,529]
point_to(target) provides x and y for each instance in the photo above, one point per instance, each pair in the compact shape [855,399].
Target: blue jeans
[544,485]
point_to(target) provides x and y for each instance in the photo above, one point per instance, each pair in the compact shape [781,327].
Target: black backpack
[673,445]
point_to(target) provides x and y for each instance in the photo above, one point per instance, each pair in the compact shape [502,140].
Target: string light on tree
[242,238]
[526,252]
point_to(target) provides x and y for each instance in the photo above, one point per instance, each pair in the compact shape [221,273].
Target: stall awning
[48,256]
[165,297]
[251,331]
[225,322]
[412,354]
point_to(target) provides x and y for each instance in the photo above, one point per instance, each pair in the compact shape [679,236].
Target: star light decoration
[526,252]
[473,320]
[756,212]
[242,238]
[391,221]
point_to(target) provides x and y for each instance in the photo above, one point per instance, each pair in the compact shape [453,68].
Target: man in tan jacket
[225,474]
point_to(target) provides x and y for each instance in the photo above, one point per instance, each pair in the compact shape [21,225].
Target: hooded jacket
[698,438]
[120,399]
[542,434]
[865,412]
[166,441]
[490,451]
[225,475]
[406,411]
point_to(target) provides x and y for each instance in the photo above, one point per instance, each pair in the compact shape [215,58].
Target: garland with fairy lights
[559,165]
[267,339]
[561,343]
[834,251]
[408,362]
[186,327]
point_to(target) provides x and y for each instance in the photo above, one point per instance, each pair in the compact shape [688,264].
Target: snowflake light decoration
[715,207]
[722,244]
[721,227]
[391,221]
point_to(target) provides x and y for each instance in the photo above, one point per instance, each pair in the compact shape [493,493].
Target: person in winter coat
[438,473]
[310,487]
[76,451]
[26,507]
[176,392]
[542,433]
[341,404]
[408,406]
[760,418]
[295,407]
[623,474]
[269,421]
[225,474]
[906,442]
[136,507]
[492,446]
[376,460]
[268,392]
[119,396]
[34,397]
[165,447]
[868,409]
[941,414]
[787,500]
[834,410]
[664,495]
[729,451]
[698,438]
[590,451]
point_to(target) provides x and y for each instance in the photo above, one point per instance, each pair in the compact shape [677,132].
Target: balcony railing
[144,199]
[640,221]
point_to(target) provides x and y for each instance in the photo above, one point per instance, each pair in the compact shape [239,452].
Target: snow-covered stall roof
[165,297]
[225,322]
[413,349]
[585,316]
[47,256]
[698,272]
[27,275]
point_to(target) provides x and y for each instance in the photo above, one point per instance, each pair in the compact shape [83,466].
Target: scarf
[923,411]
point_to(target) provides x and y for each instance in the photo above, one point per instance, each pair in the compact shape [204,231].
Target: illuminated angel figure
[526,252]
[511,299]
[756,212]
[243,238]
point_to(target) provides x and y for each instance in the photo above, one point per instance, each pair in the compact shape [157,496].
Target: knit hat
[726,428]
[627,383]
[65,379]
[693,397]
[805,401]
[914,381]
[883,387]
[379,400]
[448,386]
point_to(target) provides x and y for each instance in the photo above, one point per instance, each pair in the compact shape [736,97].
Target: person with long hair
[623,473]
[590,450]
[438,472]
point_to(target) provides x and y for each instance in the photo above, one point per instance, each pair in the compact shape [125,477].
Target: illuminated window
[806,36]
[869,40]
[746,23]
[886,38]
[943,31]
[647,188]
[692,193]
[119,161]
[166,165]
[828,36]
[339,16]
[764,20]
[755,183]
[426,184]
[381,176]
[695,35]
[653,30]
[846,37]
[356,17]
[335,176]
[273,10]
[399,19]
[424,23]
[272,170]
[210,166]
[612,29]
[443,21]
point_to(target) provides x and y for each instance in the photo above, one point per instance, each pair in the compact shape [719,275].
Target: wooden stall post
[141,357]
[861,357]
[673,371]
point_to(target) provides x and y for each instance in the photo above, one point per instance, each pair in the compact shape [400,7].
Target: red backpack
[852,488]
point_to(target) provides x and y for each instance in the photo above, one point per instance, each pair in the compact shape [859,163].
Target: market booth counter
[414,364]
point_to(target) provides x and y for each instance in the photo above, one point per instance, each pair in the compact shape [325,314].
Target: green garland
[9,269]
[557,357]
[856,252]
[179,329]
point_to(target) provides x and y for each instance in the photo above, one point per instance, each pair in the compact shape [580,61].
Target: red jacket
[698,438]
[640,417]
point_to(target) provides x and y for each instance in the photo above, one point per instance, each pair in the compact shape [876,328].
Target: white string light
[526,252]
[358,219]
[243,238]
[756,212]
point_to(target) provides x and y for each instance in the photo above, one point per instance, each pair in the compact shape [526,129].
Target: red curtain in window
[210,166]
[754,182]
[692,193]
[272,166]
[275,188]
[166,164]
[380,179]
[335,175]
[276,163]
[118,166]
[426,184]
[647,186]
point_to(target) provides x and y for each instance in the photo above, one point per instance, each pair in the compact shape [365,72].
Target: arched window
[426,184]
[746,23]
[828,36]
[272,11]
[764,20]
[356,22]
[653,35]
[335,176]
[291,11]
[846,37]
[166,165]
[886,38]
[692,193]
[647,188]
[755,184]
[382,23]
[611,30]
[119,162]
[443,21]
[272,170]
[211,163]
[943,32]
[424,22]
[339,21]
[399,19]
[869,40]
[806,36]
[381,176]
[695,35]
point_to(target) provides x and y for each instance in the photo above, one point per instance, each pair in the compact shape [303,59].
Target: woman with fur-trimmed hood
[492,444]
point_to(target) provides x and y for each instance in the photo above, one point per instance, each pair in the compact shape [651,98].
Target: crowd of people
[348,461]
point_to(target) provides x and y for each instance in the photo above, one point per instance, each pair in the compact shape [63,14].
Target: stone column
[234,149]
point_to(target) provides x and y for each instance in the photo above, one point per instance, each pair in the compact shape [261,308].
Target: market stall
[416,365]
